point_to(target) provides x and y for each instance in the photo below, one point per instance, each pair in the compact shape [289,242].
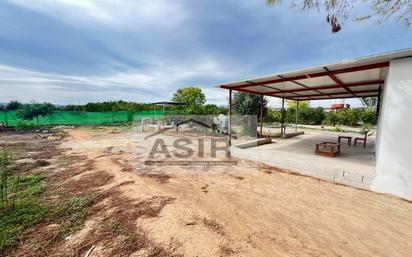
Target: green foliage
[24,126]
[212,109]
[302,104]
[306,115]
[111,106]
[348,116]
[369,102]
[310,116]
[194,99]
[317,116]
[13,105]
[34,110]
[248,104]
[190,96]
[273,116]
[331,118]
[368,116]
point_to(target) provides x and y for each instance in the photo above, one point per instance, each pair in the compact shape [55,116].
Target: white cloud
[144,86]
[117,13]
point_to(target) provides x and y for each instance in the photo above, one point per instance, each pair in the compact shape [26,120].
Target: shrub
[331,118]
[31,111]
[24,126]
[273,116]
[368,116]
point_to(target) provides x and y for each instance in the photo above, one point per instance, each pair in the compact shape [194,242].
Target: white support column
[394,137]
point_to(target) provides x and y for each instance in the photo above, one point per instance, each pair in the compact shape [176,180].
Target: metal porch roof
[361,77]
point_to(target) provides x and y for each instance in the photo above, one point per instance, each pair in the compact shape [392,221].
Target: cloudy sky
[76,51]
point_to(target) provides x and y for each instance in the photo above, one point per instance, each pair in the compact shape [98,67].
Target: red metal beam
[328,98]
[256,93]
[340,93]
[356,84]
[313,75]
[339,82]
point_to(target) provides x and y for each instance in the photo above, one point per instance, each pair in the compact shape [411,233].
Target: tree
[302,104]
[248,104]
[273,115]
[348,117]
[194,99]
[189,96]
[368,116]
[34,110]
[312,116]
[339,10]
[331,118]
[369,102]
[13,105]
[212,109]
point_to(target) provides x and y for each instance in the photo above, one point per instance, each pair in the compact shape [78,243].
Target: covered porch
[358,78]
[386,76]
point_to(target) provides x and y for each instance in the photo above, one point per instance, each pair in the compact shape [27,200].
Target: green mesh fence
[80,118]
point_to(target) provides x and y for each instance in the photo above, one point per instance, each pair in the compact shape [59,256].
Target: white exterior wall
[394,140]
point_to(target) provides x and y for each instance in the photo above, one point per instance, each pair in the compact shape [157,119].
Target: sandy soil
[249,209]
[241,209]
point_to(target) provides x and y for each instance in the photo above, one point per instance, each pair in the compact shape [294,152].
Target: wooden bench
[329,149]
[293,134]
[349,138]
[364,138]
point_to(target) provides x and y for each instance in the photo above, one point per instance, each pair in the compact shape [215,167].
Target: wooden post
[283,117]
[230,117]
[261,116]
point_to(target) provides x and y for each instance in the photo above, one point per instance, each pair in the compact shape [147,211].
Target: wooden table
[349,138]
[329,149]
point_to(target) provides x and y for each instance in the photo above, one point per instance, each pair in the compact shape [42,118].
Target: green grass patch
[25,210]
[74,212]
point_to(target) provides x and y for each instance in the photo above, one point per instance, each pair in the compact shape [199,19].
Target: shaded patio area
[354,166]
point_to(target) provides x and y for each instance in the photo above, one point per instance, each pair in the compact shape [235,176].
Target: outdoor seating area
[352,165]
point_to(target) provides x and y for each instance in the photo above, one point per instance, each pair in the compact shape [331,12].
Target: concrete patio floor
[354,166]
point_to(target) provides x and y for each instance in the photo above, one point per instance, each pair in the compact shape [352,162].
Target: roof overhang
[362,77]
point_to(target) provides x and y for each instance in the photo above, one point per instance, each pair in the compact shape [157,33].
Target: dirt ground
[234,209]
